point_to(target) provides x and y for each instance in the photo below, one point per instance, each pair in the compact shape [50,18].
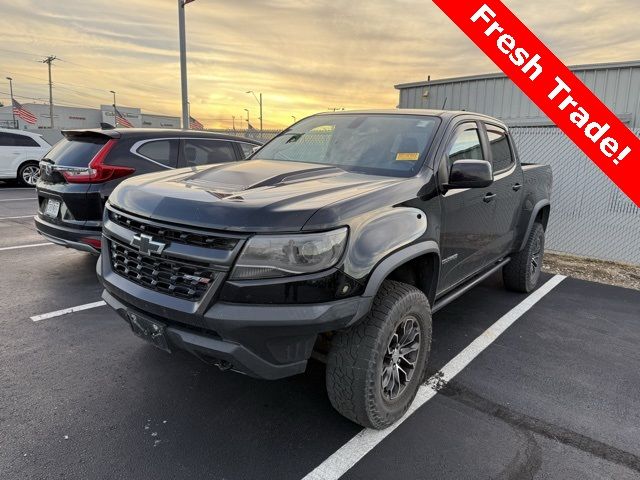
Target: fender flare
[388,265]
[534,213]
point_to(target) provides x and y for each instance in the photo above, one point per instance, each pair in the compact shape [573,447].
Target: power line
[49,60]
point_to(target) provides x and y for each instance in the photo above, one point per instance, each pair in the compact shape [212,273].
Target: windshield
[388,144]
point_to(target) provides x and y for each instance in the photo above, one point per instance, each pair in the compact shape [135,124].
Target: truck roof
[444,114]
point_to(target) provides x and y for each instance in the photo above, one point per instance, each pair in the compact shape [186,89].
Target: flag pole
[183,64]
[13,112]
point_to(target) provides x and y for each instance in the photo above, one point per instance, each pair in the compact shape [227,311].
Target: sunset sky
[305,56]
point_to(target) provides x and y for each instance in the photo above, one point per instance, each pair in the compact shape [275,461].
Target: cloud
[305,56]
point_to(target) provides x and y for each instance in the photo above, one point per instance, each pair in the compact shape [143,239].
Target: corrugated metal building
[616,84]
[591,216]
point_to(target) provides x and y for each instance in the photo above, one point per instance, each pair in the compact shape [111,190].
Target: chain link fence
[590,216]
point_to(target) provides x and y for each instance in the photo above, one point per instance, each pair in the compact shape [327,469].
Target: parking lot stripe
[15,218]
[66,311]
[355,449]
[17,247]
[17,199]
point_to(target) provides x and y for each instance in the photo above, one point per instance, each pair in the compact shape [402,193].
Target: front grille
[188,281]
[169,234]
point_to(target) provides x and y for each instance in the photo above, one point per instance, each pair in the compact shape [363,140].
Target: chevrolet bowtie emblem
[146,245]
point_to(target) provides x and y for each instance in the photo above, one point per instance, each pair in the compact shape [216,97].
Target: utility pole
[49,60]
[115,110]
[234,122]
[13,113]
[259,100]
[183,64]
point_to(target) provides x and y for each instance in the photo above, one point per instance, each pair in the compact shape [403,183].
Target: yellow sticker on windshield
[407,157]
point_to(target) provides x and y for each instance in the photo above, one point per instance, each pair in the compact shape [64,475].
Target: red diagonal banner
[553,87]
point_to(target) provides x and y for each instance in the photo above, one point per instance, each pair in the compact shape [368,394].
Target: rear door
[15,149]
[507,186]
[195,152]
[8,153]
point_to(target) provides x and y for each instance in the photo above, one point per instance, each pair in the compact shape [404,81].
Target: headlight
[272,256]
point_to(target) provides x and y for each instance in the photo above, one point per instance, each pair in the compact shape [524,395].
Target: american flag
[121,121]
[195,124]
[23,113]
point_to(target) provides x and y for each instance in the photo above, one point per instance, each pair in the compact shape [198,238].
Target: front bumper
[76,238]
[262,341]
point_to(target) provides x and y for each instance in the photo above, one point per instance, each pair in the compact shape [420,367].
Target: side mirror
[470,174]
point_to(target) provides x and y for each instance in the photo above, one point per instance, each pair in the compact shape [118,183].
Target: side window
[247,148]
[6,140]
[22,141]
[160,151]
[466,146]
[198,152]
[500,149]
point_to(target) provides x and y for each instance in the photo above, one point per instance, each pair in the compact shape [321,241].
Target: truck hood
[252,196]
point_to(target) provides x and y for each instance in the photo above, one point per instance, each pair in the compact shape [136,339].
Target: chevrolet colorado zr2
[344,233]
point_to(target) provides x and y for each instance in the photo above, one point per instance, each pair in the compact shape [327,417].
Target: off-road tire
[518,274]
[355,359]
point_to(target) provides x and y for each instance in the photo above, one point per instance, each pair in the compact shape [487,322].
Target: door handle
[489,197]
[516,187]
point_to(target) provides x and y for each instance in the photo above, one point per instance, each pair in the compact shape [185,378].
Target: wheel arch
[417,265]
[540,212]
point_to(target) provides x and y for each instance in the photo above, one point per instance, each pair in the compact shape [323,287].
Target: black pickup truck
[342,234]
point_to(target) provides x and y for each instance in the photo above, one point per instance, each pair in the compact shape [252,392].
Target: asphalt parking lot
[555,396]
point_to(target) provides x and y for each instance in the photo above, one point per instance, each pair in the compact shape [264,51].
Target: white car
[20,154]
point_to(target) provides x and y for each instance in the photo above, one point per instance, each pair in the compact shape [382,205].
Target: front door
[468,214]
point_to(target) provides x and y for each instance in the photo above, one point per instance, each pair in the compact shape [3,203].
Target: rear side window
[77,152]
[466,146]
[15,140]
[160,151]
[247,149]
[500,149]
[198,152]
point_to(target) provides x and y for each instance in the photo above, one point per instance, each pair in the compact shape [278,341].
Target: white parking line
[17,199]
[59,313]
[15,218]
[17,247]
[355,449]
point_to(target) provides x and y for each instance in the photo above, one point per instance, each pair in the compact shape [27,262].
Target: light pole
[247,110]
[259,100]
[115,116]
[294,118]
[234,122]
[13,113]
[183,63]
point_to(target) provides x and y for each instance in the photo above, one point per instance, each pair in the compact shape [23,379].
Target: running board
[450,297]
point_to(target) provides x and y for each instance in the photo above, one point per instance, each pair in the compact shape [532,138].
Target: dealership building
[67,118]
[590,215]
